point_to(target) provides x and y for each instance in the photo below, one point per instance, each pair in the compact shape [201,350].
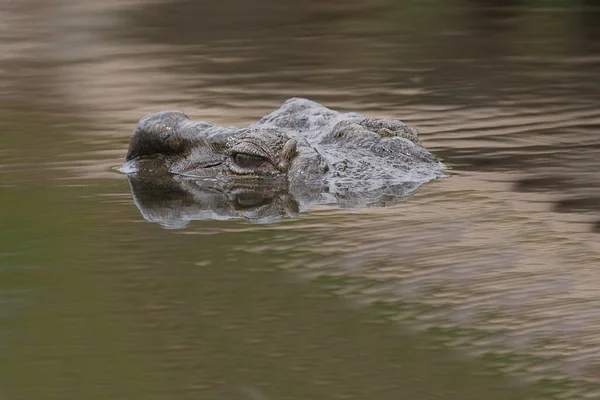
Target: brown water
[482,285]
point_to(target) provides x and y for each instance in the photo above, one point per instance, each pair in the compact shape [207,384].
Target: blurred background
[482,284]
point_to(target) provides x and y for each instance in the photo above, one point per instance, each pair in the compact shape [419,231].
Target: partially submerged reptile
[303,151]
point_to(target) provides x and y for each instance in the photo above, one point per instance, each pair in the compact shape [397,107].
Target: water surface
[481,284]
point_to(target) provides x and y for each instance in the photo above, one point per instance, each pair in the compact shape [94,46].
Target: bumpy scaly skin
[303,148]
[301,140]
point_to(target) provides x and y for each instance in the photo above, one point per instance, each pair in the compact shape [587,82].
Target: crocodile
[297,156]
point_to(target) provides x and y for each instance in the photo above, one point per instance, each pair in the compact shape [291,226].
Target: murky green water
[482,285]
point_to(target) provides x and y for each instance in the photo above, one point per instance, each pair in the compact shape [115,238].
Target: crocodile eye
[248,200]
[248,161]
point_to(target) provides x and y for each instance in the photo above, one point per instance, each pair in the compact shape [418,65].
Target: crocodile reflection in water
[300,155]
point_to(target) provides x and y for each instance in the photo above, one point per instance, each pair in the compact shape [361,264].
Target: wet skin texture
[299,155]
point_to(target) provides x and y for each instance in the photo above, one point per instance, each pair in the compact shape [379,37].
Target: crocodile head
[303,153]
[169,143]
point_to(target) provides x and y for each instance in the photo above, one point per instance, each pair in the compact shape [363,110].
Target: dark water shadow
[174,201]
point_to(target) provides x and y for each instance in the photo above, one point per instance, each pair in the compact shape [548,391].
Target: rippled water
[481,284]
